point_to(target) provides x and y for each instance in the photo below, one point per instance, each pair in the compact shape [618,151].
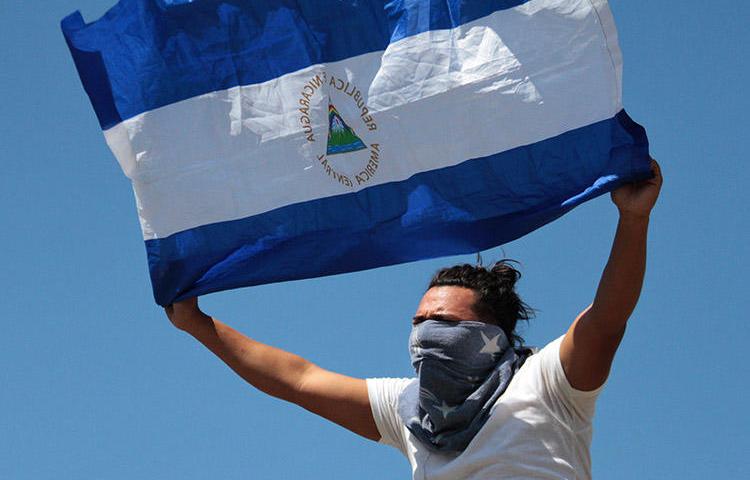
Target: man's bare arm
[590,344]
[336,397]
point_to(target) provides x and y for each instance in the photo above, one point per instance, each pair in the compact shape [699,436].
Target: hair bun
[503,270]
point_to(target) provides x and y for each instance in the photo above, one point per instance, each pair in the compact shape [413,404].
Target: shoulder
[384,392]
[385,396]
[543,372]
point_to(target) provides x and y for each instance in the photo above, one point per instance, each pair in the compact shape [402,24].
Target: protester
[482,406]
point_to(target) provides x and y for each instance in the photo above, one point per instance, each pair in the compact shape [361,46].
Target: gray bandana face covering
[463,368]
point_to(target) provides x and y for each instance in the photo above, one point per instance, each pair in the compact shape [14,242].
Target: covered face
[463,366]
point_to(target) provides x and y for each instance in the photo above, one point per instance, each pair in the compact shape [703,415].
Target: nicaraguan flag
[272,140]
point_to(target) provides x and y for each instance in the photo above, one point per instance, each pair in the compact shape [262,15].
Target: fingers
[187,306]
[657,179]
[169,310]
[655,168]
[188,303]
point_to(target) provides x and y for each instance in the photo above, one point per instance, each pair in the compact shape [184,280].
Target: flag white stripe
[224,156]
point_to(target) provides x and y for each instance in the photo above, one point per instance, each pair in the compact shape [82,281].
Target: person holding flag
[381,133]
[483,405]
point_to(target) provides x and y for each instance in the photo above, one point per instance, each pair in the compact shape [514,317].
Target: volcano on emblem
[341,137]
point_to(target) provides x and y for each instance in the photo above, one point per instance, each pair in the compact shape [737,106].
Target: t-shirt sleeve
[384,395]
[574,407]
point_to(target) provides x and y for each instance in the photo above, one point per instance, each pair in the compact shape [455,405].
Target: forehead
[449,303]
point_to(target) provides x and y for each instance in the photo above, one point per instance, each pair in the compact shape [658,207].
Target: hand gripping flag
[272,140]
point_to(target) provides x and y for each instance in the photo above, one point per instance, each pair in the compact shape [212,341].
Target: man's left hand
[637,199]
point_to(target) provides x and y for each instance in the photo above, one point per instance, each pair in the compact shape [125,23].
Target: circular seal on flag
[339,130]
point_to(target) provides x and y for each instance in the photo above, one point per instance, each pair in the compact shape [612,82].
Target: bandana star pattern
[463,368]
[490,346]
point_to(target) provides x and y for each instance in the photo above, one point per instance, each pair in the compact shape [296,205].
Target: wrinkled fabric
[463,368]
[332,136]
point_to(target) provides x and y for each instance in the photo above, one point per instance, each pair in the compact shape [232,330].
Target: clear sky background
[95,383]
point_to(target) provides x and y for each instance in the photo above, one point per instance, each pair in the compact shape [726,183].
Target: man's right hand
[186,314]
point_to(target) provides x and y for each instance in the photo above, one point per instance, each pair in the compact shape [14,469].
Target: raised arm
[336,397]
[590,344]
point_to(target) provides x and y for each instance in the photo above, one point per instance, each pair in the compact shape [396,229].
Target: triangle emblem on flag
[341,138]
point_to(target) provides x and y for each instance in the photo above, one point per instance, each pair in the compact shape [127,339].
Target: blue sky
[95,382]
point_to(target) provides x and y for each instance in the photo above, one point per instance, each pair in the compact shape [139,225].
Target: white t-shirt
[539,428]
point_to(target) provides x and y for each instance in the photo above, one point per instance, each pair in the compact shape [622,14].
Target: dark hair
[497,301]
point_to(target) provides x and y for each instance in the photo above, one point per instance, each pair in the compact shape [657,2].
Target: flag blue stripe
[145,54]
[475,205]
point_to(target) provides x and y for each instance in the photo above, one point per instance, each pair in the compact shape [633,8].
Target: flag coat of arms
[273,140]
